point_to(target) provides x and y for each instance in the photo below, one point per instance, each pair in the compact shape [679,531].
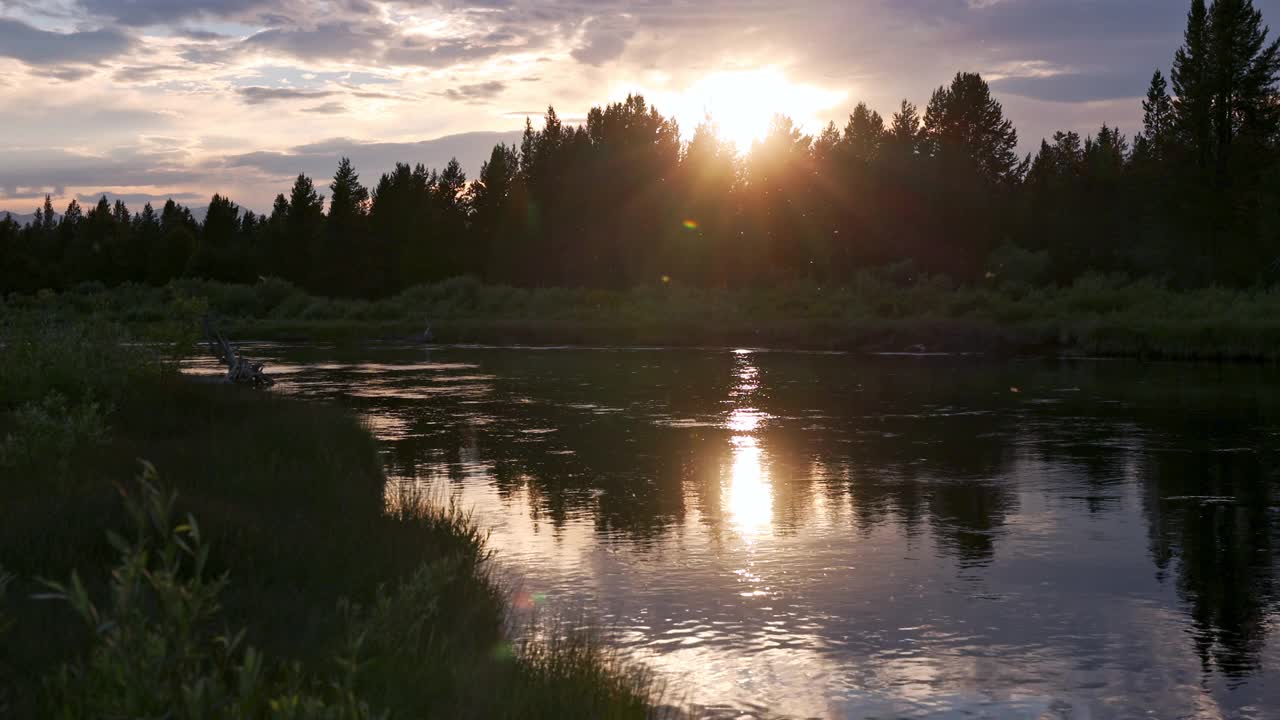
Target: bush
[5,624]
[91,359]
[48,433]
[1017,268]
[153,653]
[178,333]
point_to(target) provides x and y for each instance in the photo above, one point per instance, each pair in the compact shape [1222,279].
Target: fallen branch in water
[239,369]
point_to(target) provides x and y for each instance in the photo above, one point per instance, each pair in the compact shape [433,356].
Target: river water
[831,535]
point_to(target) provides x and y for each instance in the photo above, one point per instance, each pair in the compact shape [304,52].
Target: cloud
[321,158]
[202,35]
[329,108]
[69,74]
[603,41]
[475,92]
[160,12]
[28,124]
[1076,87]
[257,95]
[34,46]
[330,40]
[146,73]
[438,53]
[52,168]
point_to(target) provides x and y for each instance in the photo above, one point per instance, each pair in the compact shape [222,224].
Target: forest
[1191,200]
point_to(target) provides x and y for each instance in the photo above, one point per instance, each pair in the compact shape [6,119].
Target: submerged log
[240,370]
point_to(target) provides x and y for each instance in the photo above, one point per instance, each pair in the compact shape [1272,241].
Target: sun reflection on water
[748,492]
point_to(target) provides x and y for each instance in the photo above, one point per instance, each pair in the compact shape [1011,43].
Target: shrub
[5,624]
[91,359]
[48,432]
[153,653]
[1017,268]
[178,333]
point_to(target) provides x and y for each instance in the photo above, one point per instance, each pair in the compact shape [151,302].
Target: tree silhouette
[1193,97]
[1242,74]
[1157,120]
[964,122]
[343,261]
[622,200]
[303,238]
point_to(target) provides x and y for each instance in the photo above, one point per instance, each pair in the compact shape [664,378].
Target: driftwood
[240,370]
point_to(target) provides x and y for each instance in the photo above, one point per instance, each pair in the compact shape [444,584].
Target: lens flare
[690,224]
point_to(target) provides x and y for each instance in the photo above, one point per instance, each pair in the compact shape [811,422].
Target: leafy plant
[154,654]
[47,433]
[176,336]
[5,624]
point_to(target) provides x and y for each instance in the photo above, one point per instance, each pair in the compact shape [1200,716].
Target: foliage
[5,623]
[86,358]
[49,431]
[179,332]
[1017,268]
[885,309]
[153,653]
[5,580]
[355,602]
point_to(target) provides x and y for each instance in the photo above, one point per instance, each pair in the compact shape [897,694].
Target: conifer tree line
[1192,199]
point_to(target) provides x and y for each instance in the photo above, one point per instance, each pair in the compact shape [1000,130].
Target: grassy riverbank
[351,611]
[1095,316]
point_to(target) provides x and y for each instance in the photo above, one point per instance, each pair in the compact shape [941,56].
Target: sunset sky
[152,98]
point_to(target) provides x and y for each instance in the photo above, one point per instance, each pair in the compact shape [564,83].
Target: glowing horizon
[742,103]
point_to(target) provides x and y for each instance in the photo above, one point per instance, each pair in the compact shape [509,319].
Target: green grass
[874,312]
[290,503]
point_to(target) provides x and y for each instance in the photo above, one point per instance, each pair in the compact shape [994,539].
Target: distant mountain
[20,218]
[197,211]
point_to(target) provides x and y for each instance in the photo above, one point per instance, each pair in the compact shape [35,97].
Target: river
[803,535]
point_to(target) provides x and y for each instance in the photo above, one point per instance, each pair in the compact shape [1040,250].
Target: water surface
[833,535]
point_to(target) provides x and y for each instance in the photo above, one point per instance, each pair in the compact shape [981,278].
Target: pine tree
[275,237]
[864,134]
[1242,76]
[710,189]
[779,188]
[178,233]
[494,232]
[350,199]
[826,146]
[50,219]
[220,253]
[1157,118]
[965,121]
[1193,99]
[304,225]
[343,267]
[904,130]
[146,236]
[453,256]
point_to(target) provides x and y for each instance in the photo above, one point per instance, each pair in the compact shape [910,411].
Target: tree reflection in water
[776,453]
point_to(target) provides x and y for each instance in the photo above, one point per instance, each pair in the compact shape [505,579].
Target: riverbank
[351,611]
[1095,316]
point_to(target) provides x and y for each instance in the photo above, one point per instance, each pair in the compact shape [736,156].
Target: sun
[742,103]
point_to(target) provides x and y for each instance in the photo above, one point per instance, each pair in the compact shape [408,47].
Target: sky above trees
[146,99]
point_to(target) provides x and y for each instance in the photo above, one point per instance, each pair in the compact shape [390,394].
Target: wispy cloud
[475,92]
[34,46]
[256,95]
